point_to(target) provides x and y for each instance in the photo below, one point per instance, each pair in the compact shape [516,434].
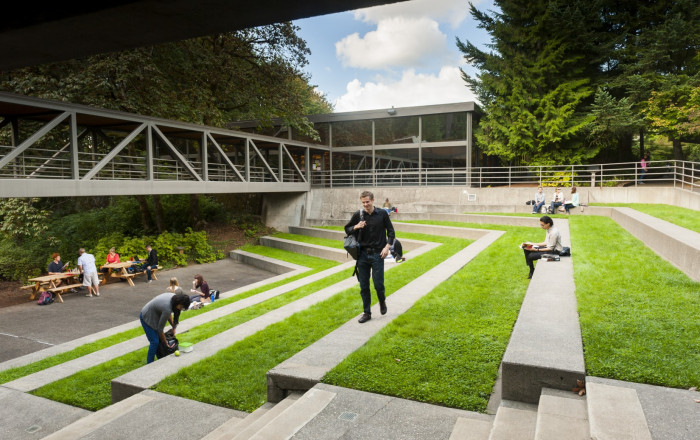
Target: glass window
[322,129]
[396,130]
[445,157]
[396,158]
[352,133]
[445,127]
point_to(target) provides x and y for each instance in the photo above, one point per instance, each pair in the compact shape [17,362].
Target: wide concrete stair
[606,413]
[148,415]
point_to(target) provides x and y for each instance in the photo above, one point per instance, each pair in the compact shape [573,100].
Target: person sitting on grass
[165,307]
[174,285]
[551,245]
[199,283]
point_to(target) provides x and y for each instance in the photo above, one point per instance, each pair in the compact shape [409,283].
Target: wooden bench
[62,289]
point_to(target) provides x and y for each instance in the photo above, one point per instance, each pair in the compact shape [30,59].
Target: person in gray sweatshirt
[157,313]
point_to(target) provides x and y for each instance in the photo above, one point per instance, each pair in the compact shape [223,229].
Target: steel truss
[53,149]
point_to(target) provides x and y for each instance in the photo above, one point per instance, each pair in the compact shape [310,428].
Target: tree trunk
[195,216]
[641,142]
[160,217]
[146,218]
[677,149]
[624,149]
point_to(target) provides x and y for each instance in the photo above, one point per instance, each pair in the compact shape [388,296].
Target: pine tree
[536,82]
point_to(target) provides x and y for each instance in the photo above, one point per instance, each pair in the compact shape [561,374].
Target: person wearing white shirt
[86,264]
[551,245]
[557,201]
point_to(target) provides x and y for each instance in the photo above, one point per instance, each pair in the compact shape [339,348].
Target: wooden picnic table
[51,280]
[119,270]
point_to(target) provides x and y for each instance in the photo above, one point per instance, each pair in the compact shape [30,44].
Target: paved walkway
[27,328]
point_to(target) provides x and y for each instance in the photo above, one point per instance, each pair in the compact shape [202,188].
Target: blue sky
[402,54]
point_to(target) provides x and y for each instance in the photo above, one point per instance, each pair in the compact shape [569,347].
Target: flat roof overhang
[32,34]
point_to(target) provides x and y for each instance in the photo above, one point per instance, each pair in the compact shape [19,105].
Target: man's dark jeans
[375,263]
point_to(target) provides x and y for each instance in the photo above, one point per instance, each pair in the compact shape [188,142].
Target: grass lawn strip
[91,388]
[447,348]
[684,217]
[235,376]
[638,313]
[315,264]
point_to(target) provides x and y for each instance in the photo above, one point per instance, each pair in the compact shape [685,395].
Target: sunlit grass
[638,313]
[687,218]
[235,377]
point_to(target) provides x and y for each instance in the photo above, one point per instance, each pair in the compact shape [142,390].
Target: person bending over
[164,308]
[551,245]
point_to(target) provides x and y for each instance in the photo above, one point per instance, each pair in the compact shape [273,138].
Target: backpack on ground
[45,298]
[165,350]
[351,244]
[565,252]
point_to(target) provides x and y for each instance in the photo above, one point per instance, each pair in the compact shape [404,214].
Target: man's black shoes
[364,318]
[382,307]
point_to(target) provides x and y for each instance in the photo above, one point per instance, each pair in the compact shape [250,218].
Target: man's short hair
[148,246]
[547,220]
[369,194]
[81,250]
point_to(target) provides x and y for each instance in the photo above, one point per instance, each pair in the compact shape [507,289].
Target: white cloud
[398,41]
[412,89]
[451,11]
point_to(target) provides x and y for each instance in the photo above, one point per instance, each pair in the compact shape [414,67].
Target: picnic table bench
[120,270]
[52,282]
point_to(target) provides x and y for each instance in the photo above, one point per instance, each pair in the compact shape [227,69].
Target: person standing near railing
[643,166]
[557,201]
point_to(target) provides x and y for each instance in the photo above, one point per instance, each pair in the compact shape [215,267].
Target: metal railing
[677,173]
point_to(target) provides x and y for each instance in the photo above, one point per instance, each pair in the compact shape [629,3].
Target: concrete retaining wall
[314,250]
[265,263]
[545,349]
[678,245]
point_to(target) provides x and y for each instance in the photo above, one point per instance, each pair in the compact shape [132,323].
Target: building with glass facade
[425,145]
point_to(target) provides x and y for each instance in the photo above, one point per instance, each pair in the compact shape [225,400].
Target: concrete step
[561,415]
[29,417]
[291,420]
[471,429]
[148,415]
[236,424]
[615,413]
[516,422]
[259,419]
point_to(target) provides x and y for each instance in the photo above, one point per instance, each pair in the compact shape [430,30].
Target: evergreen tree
[536,82]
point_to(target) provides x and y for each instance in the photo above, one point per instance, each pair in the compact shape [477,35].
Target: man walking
[86,264]
[374,228]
